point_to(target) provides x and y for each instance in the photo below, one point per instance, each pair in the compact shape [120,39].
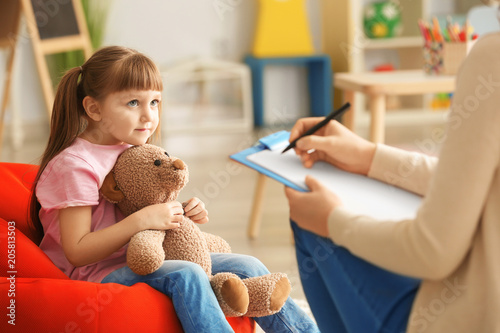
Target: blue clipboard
[360,194]
[268,142]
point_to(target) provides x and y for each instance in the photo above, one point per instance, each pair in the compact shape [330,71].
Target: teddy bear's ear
[110,190]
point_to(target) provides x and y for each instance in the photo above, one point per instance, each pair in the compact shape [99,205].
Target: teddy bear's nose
[178,164]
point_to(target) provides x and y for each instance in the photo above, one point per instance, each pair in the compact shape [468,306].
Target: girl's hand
[334,144]
[310,210]
[161,216]
[195,209]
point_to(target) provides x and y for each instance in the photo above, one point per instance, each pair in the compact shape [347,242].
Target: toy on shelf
[382,19]
[282,29]
[441,101]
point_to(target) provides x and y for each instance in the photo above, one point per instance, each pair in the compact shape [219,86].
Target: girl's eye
[133,103]
[155,102]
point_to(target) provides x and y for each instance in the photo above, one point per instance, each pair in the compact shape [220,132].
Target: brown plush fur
[146,175]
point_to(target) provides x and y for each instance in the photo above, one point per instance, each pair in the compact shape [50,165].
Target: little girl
[101,109]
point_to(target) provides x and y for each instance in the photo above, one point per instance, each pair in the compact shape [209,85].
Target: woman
[438,272]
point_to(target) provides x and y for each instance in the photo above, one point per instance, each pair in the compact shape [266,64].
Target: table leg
[377,122]
[349,117]
[256,213]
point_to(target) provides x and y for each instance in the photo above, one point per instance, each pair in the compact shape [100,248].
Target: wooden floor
[227,189]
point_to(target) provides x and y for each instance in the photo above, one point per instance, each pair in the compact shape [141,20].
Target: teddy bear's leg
[231,293]
[145,251]
[268,294]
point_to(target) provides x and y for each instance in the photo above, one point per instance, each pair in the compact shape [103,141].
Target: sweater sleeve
[409,170]
[433,245]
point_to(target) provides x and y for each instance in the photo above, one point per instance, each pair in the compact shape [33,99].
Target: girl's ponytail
[67,114]
[66,123]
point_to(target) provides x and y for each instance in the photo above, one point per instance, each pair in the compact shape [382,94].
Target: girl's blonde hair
[110,69]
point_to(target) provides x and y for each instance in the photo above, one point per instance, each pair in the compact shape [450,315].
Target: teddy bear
[145,175]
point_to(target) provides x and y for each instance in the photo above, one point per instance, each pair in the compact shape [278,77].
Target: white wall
[174,30]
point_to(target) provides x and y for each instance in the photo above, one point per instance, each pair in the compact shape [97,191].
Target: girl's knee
[251,266]
[181,268]
[177,278]
[193,269]
[240,264]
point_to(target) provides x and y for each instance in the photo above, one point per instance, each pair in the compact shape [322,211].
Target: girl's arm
[83,247]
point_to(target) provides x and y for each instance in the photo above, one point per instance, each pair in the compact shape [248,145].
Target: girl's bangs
[136,73]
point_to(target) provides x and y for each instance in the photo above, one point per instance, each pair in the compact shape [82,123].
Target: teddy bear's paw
[145,252]
[231,293]
[268,294]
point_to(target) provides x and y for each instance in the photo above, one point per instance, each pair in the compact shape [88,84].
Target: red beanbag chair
[38,297]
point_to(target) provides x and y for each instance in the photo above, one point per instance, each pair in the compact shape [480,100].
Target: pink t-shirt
[73,178]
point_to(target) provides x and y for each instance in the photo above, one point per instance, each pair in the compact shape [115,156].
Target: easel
[8,32]
[60,28]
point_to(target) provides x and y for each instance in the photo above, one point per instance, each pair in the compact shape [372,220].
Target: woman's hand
[334,144]
[310,210]
[195,209]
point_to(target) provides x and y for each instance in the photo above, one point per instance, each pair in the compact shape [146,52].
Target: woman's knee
[310,243]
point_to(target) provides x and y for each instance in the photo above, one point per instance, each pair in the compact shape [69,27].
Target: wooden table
[377,85]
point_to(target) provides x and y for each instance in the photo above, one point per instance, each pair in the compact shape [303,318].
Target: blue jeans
[348,294]
[194,301]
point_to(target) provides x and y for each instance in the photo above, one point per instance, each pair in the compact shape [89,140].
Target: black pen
[332,115]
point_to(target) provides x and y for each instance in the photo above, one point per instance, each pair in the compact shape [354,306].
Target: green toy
[382,19]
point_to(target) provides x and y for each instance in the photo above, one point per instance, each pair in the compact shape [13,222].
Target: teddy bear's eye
[157,162]
[167,154]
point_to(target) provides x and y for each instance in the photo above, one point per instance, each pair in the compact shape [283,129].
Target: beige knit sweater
[453,244]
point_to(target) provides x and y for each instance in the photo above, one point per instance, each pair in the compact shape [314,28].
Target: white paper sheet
[358,193]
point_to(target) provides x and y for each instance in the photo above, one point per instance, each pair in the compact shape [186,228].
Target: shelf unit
[393,43]
[344,40]
[410,39]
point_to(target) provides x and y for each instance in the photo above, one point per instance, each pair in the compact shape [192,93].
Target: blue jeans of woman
[348,294]
[195,303]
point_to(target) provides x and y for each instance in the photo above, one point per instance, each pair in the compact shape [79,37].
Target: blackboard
[55,18]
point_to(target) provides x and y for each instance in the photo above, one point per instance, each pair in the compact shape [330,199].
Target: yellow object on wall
[282,29]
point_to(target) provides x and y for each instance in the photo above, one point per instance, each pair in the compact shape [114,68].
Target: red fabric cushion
[16,181]
[46,300]
[51,305]
[54,305]
[27,258]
